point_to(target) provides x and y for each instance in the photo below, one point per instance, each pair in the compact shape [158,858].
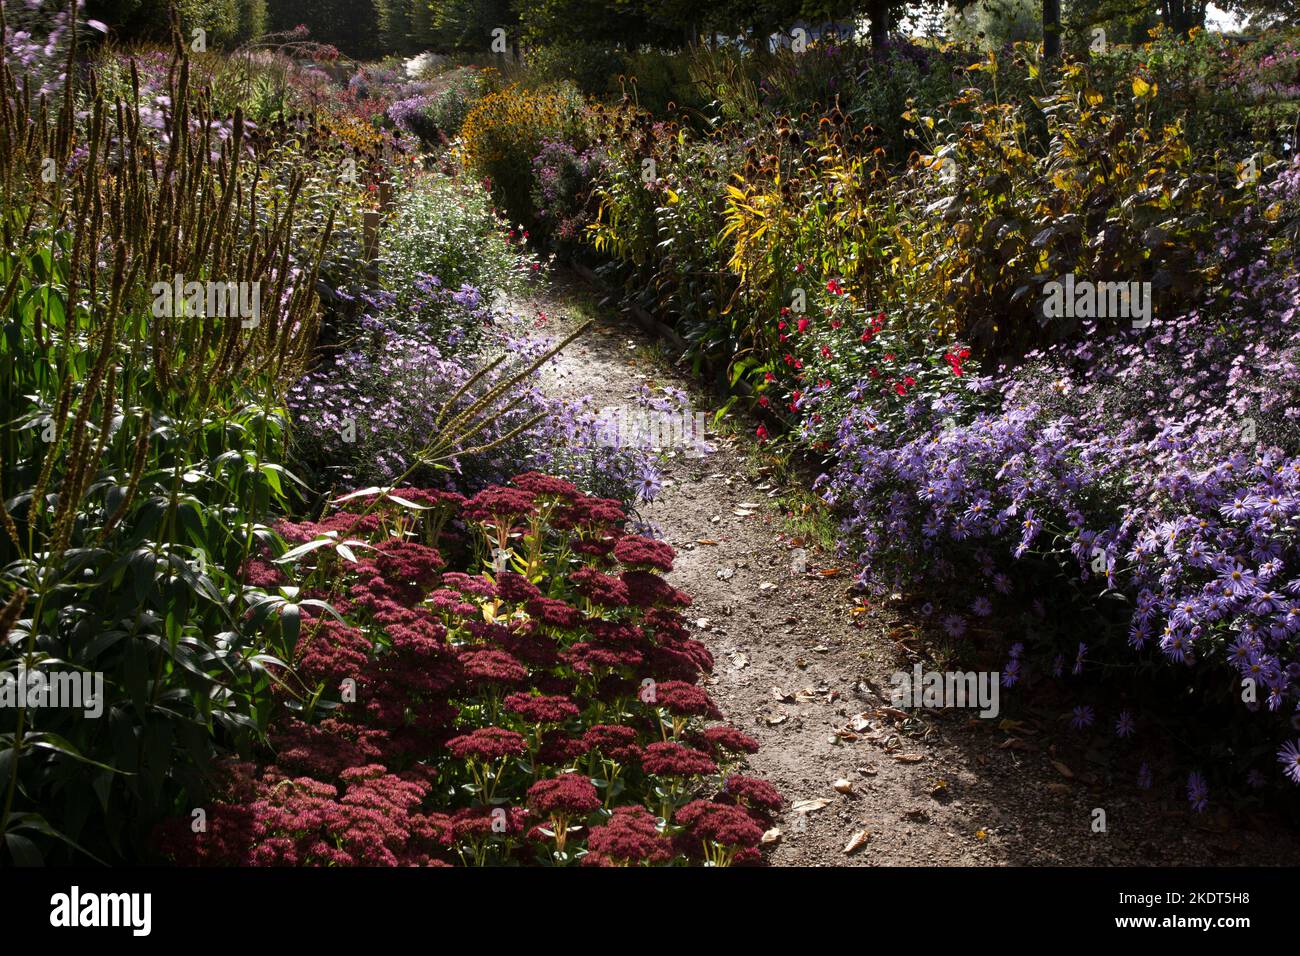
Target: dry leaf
[829,572]
[705,541]
[771,836]
[842,786]
[857,841]
[810,806]
[909,758]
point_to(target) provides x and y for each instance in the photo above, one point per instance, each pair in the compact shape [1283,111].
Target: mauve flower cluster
[475,716]
[366,415]
[1161,464]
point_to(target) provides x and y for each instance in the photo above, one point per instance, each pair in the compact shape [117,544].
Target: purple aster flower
[1289,758]
[1083,717]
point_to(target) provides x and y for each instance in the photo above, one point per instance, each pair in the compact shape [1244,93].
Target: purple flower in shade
[1082,717]
[1144,776]
[927,608]
[1011,673]
[1125,726]
[1058,665]
[981,606]
[1198,793]
[954,624]
[1289,758]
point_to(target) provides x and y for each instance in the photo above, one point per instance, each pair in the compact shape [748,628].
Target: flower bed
[457,713]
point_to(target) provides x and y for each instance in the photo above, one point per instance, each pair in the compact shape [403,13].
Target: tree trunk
[878,12]
[1051,29]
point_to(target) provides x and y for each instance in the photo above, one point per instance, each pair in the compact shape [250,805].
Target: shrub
[445,229]
[505,130]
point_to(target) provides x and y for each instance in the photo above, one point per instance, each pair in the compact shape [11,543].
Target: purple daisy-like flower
[954,624]
[1125,725]
[1082,717]
[1198,792]
[1289,758]
[981,606]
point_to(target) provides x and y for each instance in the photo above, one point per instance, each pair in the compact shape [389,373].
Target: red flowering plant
[441,706]
[845,357]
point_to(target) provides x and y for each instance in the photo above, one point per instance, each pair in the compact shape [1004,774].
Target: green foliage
[140,458]
[447,229]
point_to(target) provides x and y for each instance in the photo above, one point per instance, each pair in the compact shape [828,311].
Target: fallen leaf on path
[810,806]
[909,758]
[742,512]
[842,786]
[829,572]
[857,841]
[705,541]
[771,836]
[767,586]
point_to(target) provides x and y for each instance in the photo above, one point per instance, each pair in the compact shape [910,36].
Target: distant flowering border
[543,714]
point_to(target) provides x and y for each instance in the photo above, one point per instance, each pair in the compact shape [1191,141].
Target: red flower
[545,485]
[499,504]
[599,588]
[554,613]
[674,760]
[685,700]
[516,588]
[541,709]
[723,737]
[753,793]
[834,288]
[803,325]
[631,836]
[761,432]
[491,667]
[720,823]
[569,793]
[637,551]
[613,741]
[487,743]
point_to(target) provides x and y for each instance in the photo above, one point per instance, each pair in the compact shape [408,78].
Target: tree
[1051,29]
[1264,13]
